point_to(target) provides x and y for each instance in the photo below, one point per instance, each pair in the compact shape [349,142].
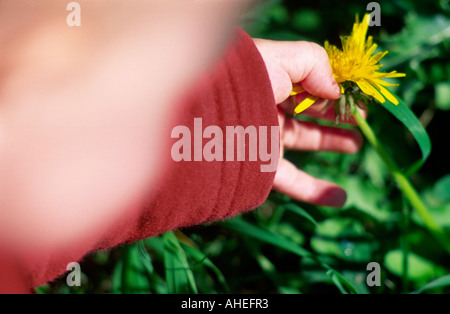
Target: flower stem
[404,244]
[402,182]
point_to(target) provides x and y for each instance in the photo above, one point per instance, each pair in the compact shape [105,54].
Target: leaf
[419,268]
[344,238]
[44,289]
[411,88]
[243,227]
[301,212]
[306,20]
[337,282]
[442,188]
[440,214]
[343,285]
[407,117]
[288,290]
[267,236]
[416,39]
[201,258]
[341,227]
[374,167]
[442,92]
[133,272]
[179,276]
[443,281]
[116,280]
[367,198]
[290,232]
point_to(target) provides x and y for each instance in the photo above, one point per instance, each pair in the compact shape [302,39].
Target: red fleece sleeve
[237,92]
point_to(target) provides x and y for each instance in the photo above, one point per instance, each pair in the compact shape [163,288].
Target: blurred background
[289,247]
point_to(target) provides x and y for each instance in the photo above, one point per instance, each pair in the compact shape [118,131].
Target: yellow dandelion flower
[356,64]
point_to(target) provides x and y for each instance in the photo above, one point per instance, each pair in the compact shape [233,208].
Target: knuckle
[318,51]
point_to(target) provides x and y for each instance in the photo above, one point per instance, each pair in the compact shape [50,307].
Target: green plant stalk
[402,181]
[405,244]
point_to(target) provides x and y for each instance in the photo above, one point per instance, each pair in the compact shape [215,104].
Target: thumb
[308,64]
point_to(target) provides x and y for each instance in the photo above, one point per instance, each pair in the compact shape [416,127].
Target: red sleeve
[237,92]
[12,278]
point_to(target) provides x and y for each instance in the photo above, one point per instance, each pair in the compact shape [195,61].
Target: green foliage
[419,269]
[443,281]
[288,247]
[407,117]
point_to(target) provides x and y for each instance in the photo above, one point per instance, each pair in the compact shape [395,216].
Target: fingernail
[337,89]
[335,197]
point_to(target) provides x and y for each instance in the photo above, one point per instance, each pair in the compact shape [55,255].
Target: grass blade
[135,277]
[301,212]
[201,258]
[343,285]
[443,281]
[179,276]
[243,227]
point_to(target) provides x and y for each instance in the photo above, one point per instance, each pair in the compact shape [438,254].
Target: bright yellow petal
[377,57]
[395,74]
[370,90]
[388,95]
[384,83]
[358,62]
[305,103]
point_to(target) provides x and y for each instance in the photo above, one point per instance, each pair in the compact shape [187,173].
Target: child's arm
[239,92]
[85,137]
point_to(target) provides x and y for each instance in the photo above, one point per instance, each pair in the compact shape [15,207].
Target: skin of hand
[305,63]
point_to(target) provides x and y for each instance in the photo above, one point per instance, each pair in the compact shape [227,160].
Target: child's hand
[308,64]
